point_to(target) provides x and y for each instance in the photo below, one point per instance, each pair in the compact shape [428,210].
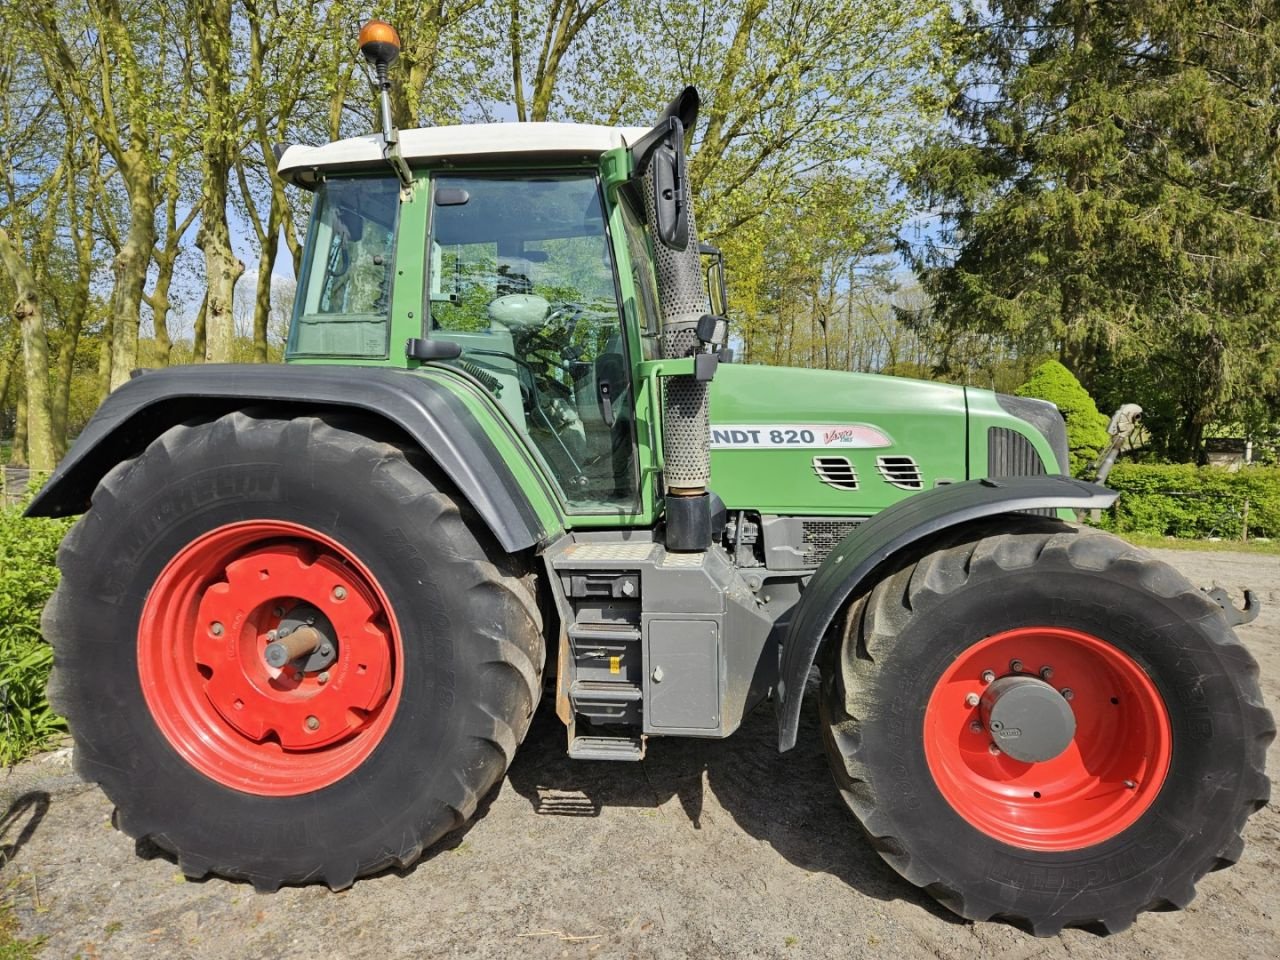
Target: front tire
[1166,736]
[380,738]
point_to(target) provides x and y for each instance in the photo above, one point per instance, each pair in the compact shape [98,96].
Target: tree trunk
[130,269]
[262,295]
[200,336]
[35,358]
[18,456]
[65,368]
[7,363]
[160,305]
[222,268]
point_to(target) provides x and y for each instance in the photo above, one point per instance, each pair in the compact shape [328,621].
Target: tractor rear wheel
[1046,726]
[287,653]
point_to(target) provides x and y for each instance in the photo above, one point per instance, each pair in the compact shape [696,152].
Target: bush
[1182,500]
[27,578]
[1087,433]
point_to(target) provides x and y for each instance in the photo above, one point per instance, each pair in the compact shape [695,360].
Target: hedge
[27,578]
[1086,428]
[1183,500]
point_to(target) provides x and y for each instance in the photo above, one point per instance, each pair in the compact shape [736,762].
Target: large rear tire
[365,748]
[1165,737]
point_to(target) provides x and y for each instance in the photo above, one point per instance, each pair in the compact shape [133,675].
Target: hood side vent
[901,472]
[836,472]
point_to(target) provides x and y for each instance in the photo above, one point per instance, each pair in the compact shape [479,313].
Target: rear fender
[425,410]
[851,567]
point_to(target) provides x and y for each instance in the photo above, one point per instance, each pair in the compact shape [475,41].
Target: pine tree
[1110,189]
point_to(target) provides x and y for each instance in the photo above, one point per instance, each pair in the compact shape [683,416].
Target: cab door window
[522,277]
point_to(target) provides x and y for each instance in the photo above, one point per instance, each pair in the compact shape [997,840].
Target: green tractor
[309,610]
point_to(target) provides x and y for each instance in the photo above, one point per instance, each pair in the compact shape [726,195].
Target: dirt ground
[703,850]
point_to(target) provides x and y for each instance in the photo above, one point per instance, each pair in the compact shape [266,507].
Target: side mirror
[670,203]
[717,291]
[659,154]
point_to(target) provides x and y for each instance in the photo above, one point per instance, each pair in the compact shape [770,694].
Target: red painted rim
[1099,786]
[204,626]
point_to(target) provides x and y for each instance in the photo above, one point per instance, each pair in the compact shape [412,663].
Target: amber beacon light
[379,43]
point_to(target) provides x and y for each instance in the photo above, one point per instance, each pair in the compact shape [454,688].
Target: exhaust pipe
[683,302]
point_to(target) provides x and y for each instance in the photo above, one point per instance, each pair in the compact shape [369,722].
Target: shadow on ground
[787,800]
[20,822]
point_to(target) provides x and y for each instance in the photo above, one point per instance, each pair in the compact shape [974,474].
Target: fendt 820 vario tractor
[310,609]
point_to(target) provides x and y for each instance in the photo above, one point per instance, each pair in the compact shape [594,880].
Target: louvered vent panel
[836,472]
[900,472]
[1010,454]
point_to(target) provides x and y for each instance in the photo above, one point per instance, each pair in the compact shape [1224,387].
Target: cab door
[522,275]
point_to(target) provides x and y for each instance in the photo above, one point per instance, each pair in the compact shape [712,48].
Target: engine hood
[818,442]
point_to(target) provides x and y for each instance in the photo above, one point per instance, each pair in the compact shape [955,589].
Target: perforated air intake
[836,472]
[683,300]
[823,536]
[900,472]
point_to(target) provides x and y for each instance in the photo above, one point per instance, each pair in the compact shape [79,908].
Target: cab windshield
[522,277]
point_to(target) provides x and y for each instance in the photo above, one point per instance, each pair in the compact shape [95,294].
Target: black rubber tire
[900,637]
[471,635]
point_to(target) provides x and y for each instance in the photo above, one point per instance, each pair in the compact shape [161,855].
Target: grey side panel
[879,538]
[146,406]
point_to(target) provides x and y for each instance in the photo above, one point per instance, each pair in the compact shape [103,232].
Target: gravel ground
[706,849]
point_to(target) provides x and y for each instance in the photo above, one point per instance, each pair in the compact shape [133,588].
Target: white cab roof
[470,141]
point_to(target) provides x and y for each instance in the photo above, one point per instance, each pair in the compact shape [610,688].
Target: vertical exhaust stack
[683,302]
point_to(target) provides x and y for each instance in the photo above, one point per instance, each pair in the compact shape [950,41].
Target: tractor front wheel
[1046,726]
[287,653]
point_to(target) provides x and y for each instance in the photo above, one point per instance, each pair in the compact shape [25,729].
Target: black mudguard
[429,413]
[850,565]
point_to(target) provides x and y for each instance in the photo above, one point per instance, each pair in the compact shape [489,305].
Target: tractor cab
[531,275]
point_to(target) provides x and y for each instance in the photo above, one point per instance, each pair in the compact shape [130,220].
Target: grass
[1269,547]
[27,578]
[12,946]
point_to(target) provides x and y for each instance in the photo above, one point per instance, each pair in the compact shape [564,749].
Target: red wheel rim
[1100,785]
[204,627]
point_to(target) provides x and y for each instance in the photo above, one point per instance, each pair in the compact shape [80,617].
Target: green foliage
[1086,427]
[1183,500]
[13,946]
[1108,190]
[27,578]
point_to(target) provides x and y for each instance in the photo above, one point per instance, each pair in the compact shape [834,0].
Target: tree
[1109,189]
[1086,426]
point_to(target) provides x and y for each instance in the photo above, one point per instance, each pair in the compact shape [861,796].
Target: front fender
[850,564]
[427,411]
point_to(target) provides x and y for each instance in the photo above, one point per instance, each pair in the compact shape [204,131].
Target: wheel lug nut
[1067,693]
[993,750]
[1046,672]
[216,629]
[322,677]
[971,700]
[975,727]
[988,676]
[1130,784]
[313,723]
[1015,666]
[339,593]
[325,650]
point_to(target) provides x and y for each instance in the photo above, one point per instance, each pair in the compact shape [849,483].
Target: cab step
[606,701]
[607,748]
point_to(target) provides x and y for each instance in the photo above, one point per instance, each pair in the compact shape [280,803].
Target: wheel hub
[268,656]
[1028,719]
[1091,748]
